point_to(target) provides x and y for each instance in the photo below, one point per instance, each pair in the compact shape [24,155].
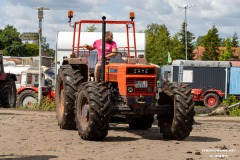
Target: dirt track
[36,135]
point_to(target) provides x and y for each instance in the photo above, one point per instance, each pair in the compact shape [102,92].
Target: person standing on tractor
[110,48]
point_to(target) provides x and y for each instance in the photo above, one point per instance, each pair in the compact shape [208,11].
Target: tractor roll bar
[103,48]
[78,27]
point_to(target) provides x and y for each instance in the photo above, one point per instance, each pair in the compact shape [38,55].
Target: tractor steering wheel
[120,54]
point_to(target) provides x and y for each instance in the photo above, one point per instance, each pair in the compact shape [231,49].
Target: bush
[231,100]
[234,111]
[47,104]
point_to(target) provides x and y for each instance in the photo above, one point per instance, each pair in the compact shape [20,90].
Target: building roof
[195,63]
[200,50]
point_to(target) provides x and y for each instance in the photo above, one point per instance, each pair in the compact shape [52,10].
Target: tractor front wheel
[92,111]
[211,100]
[67,84]
[177,124]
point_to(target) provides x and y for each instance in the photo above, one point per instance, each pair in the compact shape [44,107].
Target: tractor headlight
[149,89]
[130,89]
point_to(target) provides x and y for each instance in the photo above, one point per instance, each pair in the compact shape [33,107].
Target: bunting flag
[169,58]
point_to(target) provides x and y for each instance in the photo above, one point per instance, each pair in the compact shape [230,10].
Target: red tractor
[27,93]
[7,87]
[211,97]
[127,88]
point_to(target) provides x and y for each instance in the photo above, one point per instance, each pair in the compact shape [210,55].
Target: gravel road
[31,135]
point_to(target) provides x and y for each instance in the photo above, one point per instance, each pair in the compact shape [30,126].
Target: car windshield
[50,73]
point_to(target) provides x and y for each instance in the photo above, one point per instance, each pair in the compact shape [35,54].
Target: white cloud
[223,14]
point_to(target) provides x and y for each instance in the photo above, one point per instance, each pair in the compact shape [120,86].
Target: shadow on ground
[17,157]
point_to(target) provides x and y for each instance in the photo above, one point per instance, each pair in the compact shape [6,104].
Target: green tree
[9,36]
[44,44]
[31,49]
[14,50]
[177,48]
[190,44]
[46,48]
[211,42]
[199,42]
[157,43]
[10,42]
[227,54]
[91,28]
[1,43]
[222,42]
[235,42]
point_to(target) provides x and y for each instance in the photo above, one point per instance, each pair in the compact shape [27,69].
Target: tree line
[12,45]
[159,43]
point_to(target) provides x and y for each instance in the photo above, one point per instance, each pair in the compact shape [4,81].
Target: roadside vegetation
[47,104]
[234,111]
[231,100]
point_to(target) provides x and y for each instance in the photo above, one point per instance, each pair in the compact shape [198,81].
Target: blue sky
[205,13]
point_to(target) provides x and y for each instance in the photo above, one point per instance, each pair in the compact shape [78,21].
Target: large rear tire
[67,83]
[143,122]
[8,94]
[27,98]
[92,111]
[177,124]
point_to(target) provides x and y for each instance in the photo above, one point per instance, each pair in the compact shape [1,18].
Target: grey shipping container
[202,74]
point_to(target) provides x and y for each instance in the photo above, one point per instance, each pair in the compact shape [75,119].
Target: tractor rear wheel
[177,124]
[211,100]
[142,123]
[8,94]
[27,98]
[92,111]
[67,83]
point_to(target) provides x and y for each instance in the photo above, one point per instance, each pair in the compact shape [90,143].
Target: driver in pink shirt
[110,49]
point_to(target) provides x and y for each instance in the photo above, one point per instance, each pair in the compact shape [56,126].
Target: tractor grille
[131,82]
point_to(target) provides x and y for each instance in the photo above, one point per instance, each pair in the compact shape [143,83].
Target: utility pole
[40,17]
[185,7]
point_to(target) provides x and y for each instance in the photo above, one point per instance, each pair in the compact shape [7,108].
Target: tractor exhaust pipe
[103,48]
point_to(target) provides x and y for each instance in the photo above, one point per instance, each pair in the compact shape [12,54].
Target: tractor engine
[132,84]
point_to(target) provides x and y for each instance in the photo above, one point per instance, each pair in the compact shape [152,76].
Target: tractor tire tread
[99,111]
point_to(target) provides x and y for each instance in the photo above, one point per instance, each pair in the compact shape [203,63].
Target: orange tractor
[7,87]
[128,88]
